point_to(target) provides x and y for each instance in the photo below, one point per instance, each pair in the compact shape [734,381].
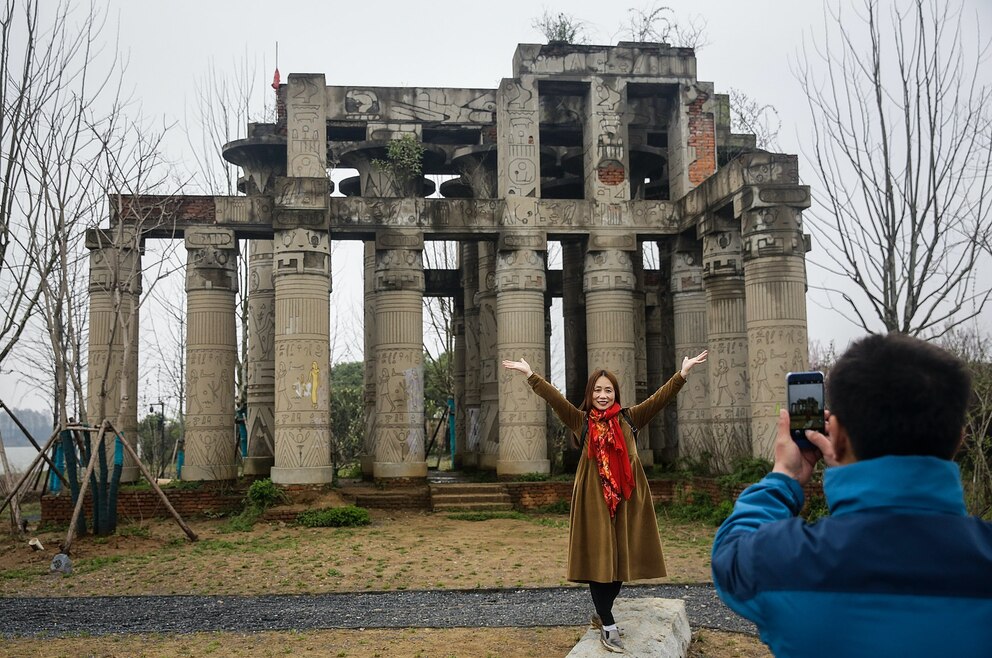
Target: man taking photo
[898,568]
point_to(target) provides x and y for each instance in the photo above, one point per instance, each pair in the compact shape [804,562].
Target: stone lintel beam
[168,216]
[655,61]
[761,168]
[410,104]
[454,219]
[360,218]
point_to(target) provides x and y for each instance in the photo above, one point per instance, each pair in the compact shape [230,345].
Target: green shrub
[695,507]
[334,517]
[532,477]
[815,509]
[746,470]
[264,494]
[557,507]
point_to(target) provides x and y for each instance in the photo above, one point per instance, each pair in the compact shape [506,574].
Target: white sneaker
[611,640]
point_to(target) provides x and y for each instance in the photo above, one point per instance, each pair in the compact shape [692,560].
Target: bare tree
[975,456]
[902,149]
[44,61]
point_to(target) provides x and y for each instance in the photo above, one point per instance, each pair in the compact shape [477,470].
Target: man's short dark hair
[897,395]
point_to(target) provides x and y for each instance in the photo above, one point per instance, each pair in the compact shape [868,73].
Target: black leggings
[603,596]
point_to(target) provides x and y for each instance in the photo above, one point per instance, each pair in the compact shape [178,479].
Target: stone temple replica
[600,148]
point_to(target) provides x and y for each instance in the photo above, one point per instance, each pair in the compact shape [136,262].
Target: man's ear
[843,451]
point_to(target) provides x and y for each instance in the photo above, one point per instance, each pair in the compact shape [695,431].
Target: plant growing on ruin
[561,27]
[404,158]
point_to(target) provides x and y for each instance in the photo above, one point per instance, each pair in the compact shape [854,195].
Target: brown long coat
[628,546]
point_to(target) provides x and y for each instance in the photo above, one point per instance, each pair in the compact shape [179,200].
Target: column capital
[752,197]
[522,239]
[520,269]
[773,231]
[722,249]
[398,238]
[608,269]
[212,259]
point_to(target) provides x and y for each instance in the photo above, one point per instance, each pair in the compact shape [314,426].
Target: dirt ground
[400,550]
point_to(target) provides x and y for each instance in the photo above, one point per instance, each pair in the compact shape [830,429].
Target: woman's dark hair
[591,384]
[897,395]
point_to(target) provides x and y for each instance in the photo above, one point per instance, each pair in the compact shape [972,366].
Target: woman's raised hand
[688,364]
[520,365]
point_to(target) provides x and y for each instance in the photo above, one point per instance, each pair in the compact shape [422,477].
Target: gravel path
[556,606]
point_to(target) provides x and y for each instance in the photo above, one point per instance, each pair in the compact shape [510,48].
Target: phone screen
[805,404]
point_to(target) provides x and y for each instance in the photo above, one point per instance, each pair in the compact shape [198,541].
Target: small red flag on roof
[275,80]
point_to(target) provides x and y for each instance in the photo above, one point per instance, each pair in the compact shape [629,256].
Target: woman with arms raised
[613,532]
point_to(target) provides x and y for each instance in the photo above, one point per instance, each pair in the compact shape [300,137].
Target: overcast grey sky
[750,46]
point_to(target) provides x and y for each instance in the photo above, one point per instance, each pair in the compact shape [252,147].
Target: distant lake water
[20,457]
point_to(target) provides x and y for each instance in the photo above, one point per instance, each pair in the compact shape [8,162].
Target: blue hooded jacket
[898,569]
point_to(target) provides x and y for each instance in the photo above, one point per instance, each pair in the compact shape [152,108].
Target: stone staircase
[470,497]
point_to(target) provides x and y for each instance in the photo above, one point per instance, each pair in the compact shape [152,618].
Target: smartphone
[805,390]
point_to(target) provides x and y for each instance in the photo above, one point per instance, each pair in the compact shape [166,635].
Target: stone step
[470,498]
[468,487]
[473,507]
[649,627]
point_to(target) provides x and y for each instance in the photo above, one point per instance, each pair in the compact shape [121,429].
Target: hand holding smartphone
[806,404]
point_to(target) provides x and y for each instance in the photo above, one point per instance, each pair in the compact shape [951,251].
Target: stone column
[653,346]
[211,354]
[485,300]
[574,316]
[302,411]
[369,371]
[470,285]
[689,311]
[458,365]
[723,278]
[775,287]
[521,277]
[115,273]
[662,321]
[399,356]
[640,356]
[261,389]
[302,283]
[609,288]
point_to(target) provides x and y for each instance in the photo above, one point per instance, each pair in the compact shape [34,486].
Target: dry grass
[400,550]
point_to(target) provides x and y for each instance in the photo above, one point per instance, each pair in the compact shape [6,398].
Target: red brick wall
[611,174]
[702,136]
[183,208]
[532,495]
[145,504]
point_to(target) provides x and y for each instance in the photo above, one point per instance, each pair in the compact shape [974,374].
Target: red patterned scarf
[608,449]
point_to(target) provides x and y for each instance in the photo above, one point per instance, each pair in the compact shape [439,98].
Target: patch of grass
[95,563]
[134,530]
[243,522]
[334,517]
[18,574]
